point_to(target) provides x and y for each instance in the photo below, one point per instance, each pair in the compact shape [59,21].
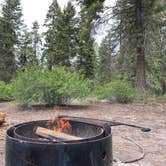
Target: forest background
[65,62]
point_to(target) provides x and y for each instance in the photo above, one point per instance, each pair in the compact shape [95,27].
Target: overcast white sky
[37,10]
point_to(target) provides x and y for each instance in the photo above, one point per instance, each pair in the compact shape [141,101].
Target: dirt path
[150,114]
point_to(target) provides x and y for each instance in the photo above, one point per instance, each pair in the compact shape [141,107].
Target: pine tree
[60,36]
[25,49]
[156,77]
[105,59]
[29,50]
[50,40]
[10,23]
[36,43]
[86,54]
[67,35]
[86,58]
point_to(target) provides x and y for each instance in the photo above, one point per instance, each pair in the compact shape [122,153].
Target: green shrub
[118,90]
[55,87]
[6,91]
[163,96]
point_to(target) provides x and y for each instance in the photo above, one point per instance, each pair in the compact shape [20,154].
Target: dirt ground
[150,114]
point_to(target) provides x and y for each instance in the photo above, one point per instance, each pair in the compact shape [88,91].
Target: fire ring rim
[31,141]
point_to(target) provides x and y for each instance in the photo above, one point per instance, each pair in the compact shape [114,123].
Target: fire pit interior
[86,131]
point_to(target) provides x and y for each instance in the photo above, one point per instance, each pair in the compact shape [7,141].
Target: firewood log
[2,118]
[61,136]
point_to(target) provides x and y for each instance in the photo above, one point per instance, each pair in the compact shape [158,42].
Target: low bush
[118,90]
[6,91]
[55,87]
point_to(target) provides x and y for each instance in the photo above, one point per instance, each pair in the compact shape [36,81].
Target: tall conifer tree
[60,36]
[10,24]
[86,58]
[36,43]
[29,50]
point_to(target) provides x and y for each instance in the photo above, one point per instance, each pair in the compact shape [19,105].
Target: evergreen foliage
[29,48]
[24,51]
[106,59]
[134,49]
[60,36]
[135,27]
[6,91]
[59,86]
[86,54]
[118,90]
[10,24]
[86,58]
[36,43]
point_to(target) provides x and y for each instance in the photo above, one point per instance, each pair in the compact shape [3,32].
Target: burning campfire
[56,126]
[59,124]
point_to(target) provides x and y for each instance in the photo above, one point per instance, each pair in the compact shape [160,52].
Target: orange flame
[58,124]
[63,124]
[54,117]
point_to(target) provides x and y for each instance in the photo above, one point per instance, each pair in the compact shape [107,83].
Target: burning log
[2,118]
[51,134]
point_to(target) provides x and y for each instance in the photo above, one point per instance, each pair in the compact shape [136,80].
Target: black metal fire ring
[19,152]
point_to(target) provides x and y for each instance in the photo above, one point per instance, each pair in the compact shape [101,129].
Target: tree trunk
[140,64]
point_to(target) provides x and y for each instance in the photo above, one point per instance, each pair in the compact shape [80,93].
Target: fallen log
[2,118]
[53,135]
